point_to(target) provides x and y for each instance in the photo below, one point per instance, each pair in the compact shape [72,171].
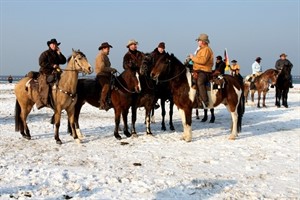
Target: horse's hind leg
[125,122]
[57,116]
[71,119]
[133,120]
[212,117]
[204,119]
[264,99]
[234,117]
[148,127]
[163,114]
[197,114]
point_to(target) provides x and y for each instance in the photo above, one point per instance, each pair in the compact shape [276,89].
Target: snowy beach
[263,163]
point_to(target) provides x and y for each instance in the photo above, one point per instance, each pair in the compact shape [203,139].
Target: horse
[282,86]
[261,83]
[63,96]
[126,84]
[230,93]
[162,91]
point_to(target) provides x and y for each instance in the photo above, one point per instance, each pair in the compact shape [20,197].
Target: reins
[123,85]
[167,80]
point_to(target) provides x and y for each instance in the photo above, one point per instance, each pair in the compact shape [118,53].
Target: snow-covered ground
[263,163]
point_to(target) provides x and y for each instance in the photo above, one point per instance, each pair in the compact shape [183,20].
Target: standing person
[133,58]
[10,79]
[220,65]
[49,70]
[283,62]
[104,73]
[203,62]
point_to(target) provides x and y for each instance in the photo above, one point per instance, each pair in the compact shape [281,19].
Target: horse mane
[77,52]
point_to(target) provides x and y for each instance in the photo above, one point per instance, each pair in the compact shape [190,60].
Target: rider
[104,73]
[155,54]
[283,62]
[220,65]
[256,71]
[203,62]
[133,58]
[49,68]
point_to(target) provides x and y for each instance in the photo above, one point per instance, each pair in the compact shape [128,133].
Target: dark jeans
[201,84]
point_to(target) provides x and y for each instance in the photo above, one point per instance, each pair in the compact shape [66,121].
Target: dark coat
[281,63]
[220,67]
[133,60]
[49,58]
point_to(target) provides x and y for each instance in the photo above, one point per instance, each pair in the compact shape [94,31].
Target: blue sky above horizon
[246,28]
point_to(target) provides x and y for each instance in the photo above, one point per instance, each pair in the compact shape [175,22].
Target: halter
[167,80]
[124,86]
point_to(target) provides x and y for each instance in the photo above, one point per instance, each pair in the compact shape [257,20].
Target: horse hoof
[231,138]
[197,117]
[118,137]
[163,128]
[58,142]
[77,140]
[172,128]
[212,121]
[127,134]
[204,120]
[134,135]
[27,137]
[187,139]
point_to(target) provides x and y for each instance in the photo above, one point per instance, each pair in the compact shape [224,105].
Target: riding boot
[103,104]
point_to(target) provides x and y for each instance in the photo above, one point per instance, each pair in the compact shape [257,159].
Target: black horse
[282,86]
[162,91]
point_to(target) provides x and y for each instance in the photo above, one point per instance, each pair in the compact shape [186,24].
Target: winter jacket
[133,60]
[49,58]
[204,59]
[281,63]
[102,65]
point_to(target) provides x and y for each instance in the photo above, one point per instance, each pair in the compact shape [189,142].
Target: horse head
[79,62]
[147,64]
[129,81]
[161,67]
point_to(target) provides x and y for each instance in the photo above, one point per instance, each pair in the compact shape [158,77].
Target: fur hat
[283,54]
[233,61]
[161,45]
[203,37]
[53,41]
[104,45]
[130,42]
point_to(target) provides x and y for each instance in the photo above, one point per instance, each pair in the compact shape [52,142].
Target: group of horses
[168,79]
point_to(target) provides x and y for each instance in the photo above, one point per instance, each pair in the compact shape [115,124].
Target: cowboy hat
[130,42]
[203,37]
[104,45]
[53,41]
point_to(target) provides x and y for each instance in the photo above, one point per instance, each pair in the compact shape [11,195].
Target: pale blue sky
[246,28]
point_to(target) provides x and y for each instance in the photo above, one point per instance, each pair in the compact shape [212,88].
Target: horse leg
[186,118]
[212,113]
[278,97]
[264,99]
[163,114]
[133,120]
[71,120]
[284,98]
[125,117]
[76,121]
[20,120]
[234,133]
[204,119]
[197,114]
[148,112]
[171,115]
[258,99]
[252,95]
[152,116]
[117,123]
[57,117]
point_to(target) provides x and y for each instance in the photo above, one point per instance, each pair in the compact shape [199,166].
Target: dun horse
[282,86]
[168,67]
[63,96]
[261,83]
[162,91]
[88,90]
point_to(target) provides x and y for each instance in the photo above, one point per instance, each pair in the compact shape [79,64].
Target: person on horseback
[256,71]
[104,73]
[133,58]
[155,54]
[220,65]
[283,62]
[203,62]
[235,71]
[49,71]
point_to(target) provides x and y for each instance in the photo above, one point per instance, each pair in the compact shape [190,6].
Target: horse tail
[18,119]
[241,111]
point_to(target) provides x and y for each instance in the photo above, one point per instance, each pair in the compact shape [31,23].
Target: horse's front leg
[197,114]
[71,119]
[264,99]
[133,120]
[212,117]
[186,118]
[148,127]
[204,119]
[284,99]
[24,128]
[171,115]
[125,122]
[57,116]
[258,100]
[163,114]
[252,95]
[117,123]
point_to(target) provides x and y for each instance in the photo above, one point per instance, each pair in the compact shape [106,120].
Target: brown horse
[89,90]
[161,91]
[261,83]
[230,93]
[63,96]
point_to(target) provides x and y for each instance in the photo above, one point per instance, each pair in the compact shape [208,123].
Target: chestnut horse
[63,96]
[261,83]
[282,86]
[230,93]
[161,90]
[125,85]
